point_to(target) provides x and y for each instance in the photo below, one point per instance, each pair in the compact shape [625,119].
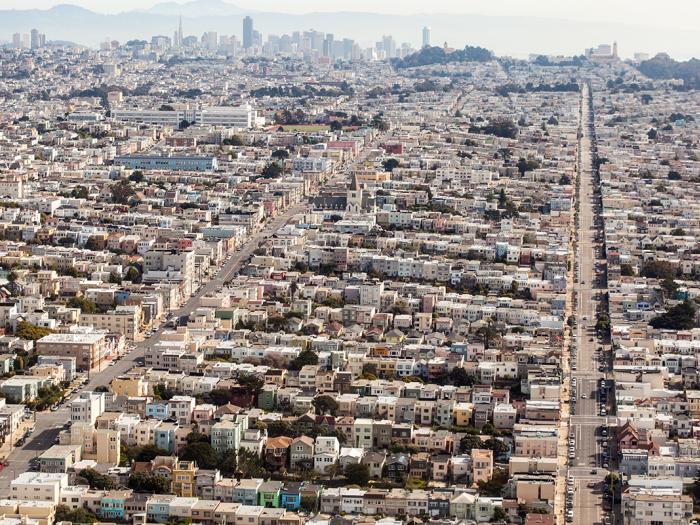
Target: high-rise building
[177,42]
[210,40]
[389,46]
[328,45]
[247,32]
[17,41]
[348,45]
[317,39]
[426,36]
[35,39]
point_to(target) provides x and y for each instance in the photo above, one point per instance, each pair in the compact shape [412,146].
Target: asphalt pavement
[585,423]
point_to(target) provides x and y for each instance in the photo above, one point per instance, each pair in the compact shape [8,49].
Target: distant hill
[663,66]
[437,55]
[196,8]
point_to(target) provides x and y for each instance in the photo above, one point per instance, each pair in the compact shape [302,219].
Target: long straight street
[587,364]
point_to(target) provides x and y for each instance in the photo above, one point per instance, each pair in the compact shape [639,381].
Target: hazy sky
[685,13]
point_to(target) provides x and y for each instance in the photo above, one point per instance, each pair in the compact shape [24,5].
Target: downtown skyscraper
[247,32]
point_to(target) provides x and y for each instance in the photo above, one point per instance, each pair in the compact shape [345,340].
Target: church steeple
[354,199]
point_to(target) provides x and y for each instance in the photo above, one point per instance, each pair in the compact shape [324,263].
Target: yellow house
[107,447]
[129,386]
[386,366]
[99,444]
[183,477]
[462,414]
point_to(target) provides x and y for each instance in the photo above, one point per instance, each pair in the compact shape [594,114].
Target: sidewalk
[9,443]
[565,407]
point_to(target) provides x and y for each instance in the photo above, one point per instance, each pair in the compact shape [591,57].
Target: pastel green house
[269,494]
[267,398]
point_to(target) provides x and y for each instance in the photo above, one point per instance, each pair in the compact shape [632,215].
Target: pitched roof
[279,442]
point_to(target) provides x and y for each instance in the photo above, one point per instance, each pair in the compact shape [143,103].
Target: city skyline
[677,11]
[505,35]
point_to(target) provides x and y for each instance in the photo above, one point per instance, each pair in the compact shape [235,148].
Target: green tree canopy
[136,176]
[357,474]
[85,305]
[151,483]
[96,480]
[680,317]
[305,357]
[280,154]
[31,331]
[469,442]
[79,515]
[236,140]
[200,452]
[390,164]
[149,452]
[272,170]
[325,404]
[122,192]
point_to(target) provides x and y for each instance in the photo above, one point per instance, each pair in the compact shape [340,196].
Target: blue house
[164,436]
[459,348]
[157,410]
[158,508]
[291,496]
[113,505]
[121,295]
